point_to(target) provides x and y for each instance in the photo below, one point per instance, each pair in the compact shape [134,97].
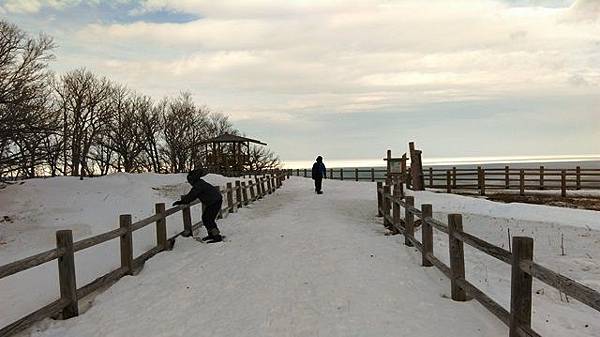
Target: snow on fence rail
[236,196]
[480,179]
[524,269]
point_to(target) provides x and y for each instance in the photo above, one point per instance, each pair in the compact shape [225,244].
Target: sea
[520,162]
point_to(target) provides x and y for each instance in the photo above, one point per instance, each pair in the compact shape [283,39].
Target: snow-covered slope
[35,210]
[300,264]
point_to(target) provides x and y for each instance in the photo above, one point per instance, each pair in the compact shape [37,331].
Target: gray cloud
[304,70]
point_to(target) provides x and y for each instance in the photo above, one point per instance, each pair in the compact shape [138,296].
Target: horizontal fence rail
[521,179]
[480,179]
[524,269]
[234,196]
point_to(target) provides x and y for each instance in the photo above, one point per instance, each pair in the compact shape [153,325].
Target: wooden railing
[235,196]
[482,179]
[523,267]
[355,174]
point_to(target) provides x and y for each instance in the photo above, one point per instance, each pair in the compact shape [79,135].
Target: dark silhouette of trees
[79,123]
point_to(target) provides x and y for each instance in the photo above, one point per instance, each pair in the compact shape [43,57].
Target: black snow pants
[209,214]
[318,184]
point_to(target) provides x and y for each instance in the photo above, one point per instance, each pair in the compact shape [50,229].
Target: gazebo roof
[229,138]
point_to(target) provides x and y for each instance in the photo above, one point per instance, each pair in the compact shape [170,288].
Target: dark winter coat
[205,192]
[318,170]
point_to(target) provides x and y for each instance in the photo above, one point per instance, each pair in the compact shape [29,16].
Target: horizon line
[442,161]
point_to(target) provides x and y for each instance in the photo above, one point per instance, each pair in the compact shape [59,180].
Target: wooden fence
[235,196]
[523,267]
[480,179]
[355,174]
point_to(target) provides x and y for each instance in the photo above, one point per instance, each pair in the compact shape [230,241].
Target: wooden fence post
[379,198]
[330,173]
[161,226]
[563,183]
[482,181]
[578,178]
[520,285]
[262,187]
[269,185]
[66,273]
[297,172]
[541,177]
[305,173]
[409,221]
[431,177]
[126,244]
[454,177]
[244,193]
[448,182]
[238,194]
[386,205]
[395,210]
[186,214]
[341,174]
[372,174]
[220,214]
[356,174]
[479,177]
[457,257]
[522,182]
[230,205]
[507,177]
[426,234]
[258,191]
[251,187]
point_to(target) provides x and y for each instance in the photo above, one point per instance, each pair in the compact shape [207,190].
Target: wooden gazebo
[228,154]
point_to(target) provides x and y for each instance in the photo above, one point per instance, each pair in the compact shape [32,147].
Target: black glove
[177,203]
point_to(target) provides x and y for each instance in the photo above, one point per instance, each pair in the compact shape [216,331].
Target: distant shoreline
[529,161]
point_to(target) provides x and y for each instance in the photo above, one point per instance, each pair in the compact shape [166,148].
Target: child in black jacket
[211,199]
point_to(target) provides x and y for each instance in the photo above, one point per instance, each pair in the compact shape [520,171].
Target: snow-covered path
[296,264]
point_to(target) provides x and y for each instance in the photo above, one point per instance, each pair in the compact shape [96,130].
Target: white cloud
[281,60]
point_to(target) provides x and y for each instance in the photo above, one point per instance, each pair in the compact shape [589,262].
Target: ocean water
[588,161]
[378,170]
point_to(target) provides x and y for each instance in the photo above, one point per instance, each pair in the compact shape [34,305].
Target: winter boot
[214,238]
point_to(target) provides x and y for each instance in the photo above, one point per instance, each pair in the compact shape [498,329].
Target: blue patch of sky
[104,12]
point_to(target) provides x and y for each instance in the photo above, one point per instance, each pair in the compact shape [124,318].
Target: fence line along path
[481,179]
[235,196]
[391,200]
[297,264]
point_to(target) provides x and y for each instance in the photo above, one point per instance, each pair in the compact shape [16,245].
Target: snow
[40,207]
[297,264]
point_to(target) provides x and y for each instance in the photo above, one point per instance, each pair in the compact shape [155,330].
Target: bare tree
[219,124]
[151,127]
[23,97]
[185,127]
[262,158]
[83,99]
[124,134]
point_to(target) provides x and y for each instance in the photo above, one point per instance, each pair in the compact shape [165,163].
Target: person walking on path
[318,173]
[211,199]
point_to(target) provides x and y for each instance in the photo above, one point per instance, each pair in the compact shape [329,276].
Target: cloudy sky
[349,79]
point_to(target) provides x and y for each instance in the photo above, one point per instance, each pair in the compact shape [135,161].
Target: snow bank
[38,208]
[299,264]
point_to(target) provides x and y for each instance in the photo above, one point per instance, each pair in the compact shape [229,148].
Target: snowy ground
[299,264]
[38,208]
